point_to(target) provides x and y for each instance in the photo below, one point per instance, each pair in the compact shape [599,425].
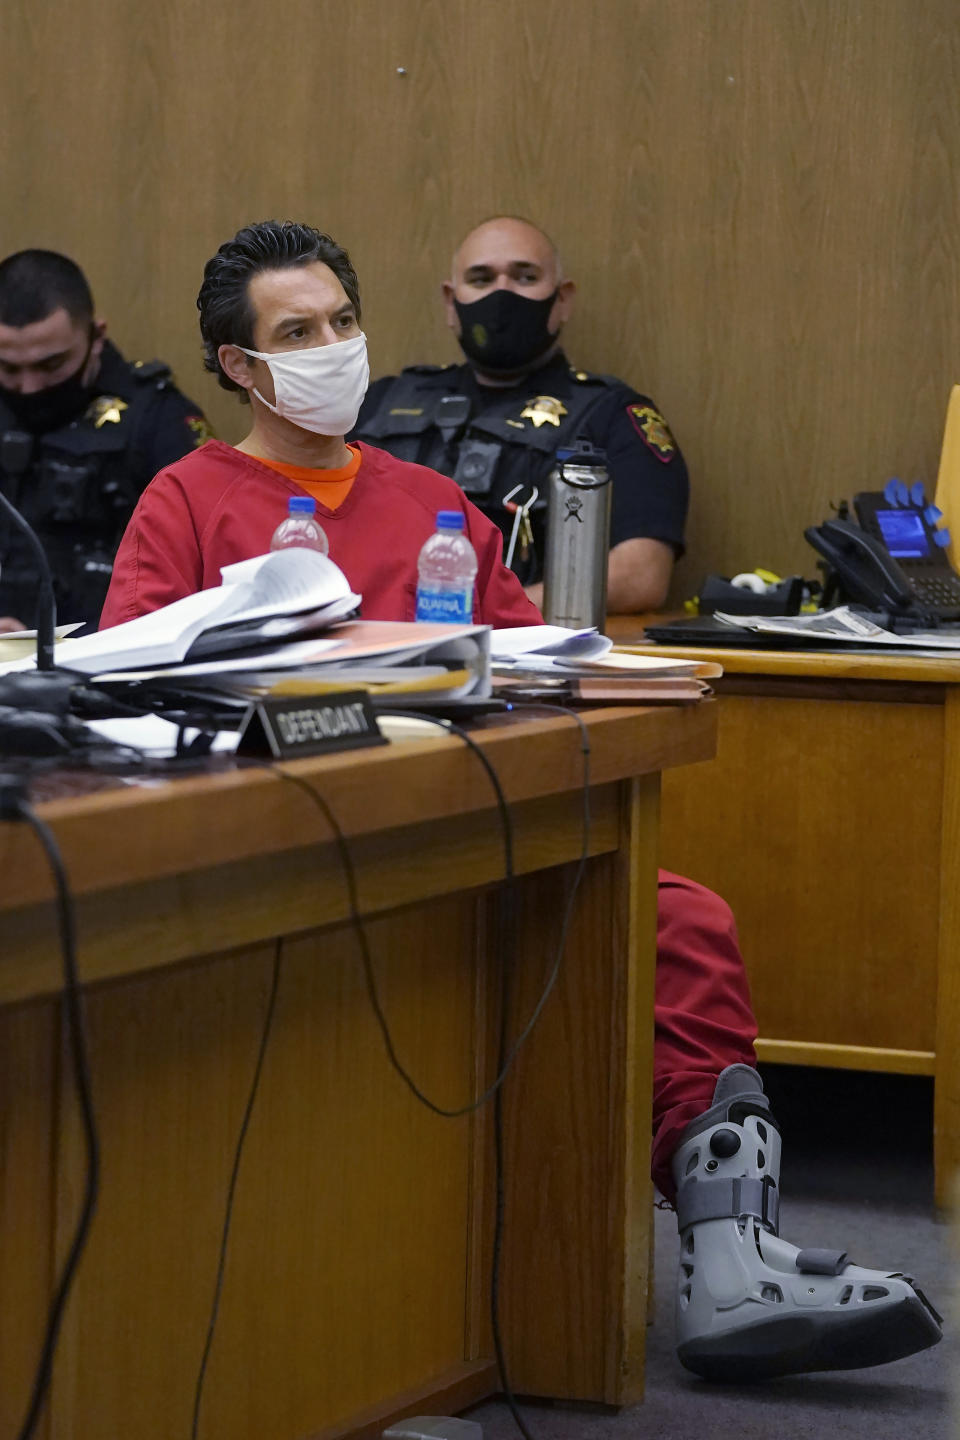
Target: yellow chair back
[947,497]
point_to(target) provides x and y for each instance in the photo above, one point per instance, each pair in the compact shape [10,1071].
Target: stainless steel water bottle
[578,538]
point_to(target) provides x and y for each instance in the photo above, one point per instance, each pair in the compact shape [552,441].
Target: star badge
[544,410]
[106,410]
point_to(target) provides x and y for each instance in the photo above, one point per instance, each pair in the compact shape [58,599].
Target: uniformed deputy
[82,432]
[496,423]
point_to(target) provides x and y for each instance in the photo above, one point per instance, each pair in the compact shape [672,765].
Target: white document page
[547,640]
[279,584]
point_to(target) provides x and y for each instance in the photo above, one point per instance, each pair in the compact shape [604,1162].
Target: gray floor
[857,1175]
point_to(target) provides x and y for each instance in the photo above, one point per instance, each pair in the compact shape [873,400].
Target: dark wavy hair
[34,283]
[226,317]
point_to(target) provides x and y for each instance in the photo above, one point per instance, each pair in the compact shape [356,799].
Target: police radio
[477,466]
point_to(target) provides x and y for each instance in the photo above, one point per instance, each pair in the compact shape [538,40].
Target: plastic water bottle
[446,571]
[300,527]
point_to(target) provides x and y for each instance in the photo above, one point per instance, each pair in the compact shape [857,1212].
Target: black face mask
[504,332]
[51,409]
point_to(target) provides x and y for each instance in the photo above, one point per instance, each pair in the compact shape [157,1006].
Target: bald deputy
[496,422]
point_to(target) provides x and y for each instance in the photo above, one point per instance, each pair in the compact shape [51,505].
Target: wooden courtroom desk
[357,1278]
[830,821]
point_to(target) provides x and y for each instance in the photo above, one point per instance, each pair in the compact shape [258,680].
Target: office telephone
[894,559]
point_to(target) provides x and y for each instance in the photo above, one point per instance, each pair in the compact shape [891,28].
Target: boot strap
[822,1262]
[726,1199]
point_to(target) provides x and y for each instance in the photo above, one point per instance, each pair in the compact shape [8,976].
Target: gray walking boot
[749,1305]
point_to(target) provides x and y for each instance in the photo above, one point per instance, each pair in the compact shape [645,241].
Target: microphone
[16,452]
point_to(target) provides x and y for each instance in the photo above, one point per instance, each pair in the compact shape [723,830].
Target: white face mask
[320,389]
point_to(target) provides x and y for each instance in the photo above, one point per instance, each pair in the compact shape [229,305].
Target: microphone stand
[16,449]
[37,707]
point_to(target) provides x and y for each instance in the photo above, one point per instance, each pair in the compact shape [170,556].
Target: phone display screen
[903,534]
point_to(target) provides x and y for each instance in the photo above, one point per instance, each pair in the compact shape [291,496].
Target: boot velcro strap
[822,1262]
[722,1199]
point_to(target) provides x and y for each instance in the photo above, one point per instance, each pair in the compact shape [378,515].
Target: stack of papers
[279,624]
[282,624]
[547,661]
[414,661]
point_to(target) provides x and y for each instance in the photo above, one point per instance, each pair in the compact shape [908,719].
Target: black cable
[373,993]
[356,920]
[504,1062]
[505,1057]
[232,1187]
[17,807]
[506,931]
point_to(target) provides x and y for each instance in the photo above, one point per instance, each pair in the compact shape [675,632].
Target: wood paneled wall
[760,200]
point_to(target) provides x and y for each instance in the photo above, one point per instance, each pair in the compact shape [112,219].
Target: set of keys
[522,531]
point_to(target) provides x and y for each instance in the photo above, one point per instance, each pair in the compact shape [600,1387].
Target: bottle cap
[302,505]
[582,452]
[450,520]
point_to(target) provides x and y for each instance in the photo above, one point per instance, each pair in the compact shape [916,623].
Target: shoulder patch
[199,428]
[653,431]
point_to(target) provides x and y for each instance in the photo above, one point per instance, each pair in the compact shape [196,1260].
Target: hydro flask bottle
[578,539]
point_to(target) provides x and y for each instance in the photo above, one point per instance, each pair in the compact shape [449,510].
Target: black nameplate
[289,726]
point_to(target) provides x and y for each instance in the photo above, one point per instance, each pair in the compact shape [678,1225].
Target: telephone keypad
[942,590]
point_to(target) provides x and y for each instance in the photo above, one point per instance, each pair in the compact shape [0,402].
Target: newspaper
[845,626]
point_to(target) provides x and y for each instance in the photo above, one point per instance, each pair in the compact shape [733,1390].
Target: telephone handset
[894,559]
[867,572]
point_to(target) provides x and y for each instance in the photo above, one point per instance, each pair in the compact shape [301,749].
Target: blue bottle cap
[583,452]
[917,497]
[450,520]
[890,491]
[941,538]
[302,505]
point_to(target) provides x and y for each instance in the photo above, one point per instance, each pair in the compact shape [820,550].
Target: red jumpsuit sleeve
[159,557]
[501,600]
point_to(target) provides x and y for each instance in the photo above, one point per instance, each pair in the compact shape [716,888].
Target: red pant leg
[703,1016]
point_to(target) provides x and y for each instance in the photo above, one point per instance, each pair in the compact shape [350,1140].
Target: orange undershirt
[328,487]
